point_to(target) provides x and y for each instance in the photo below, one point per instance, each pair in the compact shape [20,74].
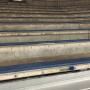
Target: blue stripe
[41,42]
[44,30]
[26,30]
[40,65]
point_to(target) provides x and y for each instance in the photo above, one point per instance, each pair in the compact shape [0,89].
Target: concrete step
[31,53]
[41,36]
[43,26]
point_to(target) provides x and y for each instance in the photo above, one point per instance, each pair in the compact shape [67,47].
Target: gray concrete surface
[84,85]
[70,81]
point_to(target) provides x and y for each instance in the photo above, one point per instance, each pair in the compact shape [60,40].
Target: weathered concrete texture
[44,20]
[42,38]
[44,15]
[44,52]
[7,37]
[44,11]
[57,3]
[45,26]
[41,26]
